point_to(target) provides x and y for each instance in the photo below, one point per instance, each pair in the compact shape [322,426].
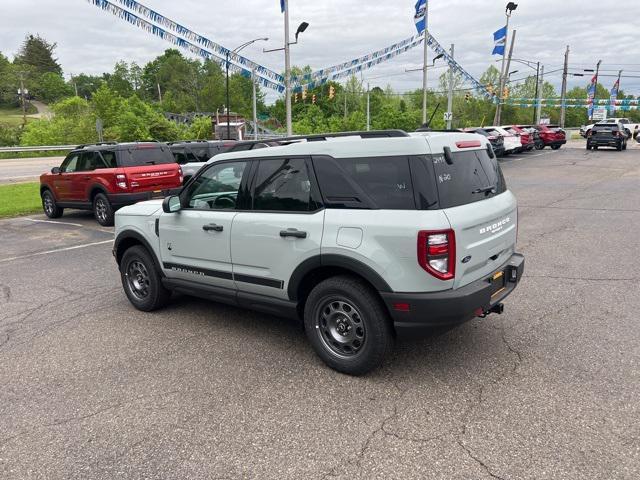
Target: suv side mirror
[56,170]
[171,204]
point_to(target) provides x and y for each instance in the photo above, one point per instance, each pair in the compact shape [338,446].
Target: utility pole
[159,91]
[498,118]
[536,96]
[368,108]
[595,88]
[255,104]
[22,97]
[75,85]
[287,68]
[450,96]
[539,105]
[345,102]
[424,66]
[563,95]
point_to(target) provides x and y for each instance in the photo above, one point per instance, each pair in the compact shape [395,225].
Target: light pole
[287,62]
[534,66]
[511,7]
[235,51]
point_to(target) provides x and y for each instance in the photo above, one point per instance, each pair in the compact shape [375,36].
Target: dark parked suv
[607,135]
[106,176]
[189,151]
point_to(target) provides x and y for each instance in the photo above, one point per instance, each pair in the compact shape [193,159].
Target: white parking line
[52,221]
[66,249]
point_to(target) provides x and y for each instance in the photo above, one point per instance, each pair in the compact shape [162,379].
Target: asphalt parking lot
[92,388]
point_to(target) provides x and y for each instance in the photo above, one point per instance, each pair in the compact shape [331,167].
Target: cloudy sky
[91,41]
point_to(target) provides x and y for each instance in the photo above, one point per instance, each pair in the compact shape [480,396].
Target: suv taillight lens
[437,253]
[121,181]
[181,174]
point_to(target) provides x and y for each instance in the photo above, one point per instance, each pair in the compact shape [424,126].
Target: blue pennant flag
[500,41]
[421,15]
[282,6]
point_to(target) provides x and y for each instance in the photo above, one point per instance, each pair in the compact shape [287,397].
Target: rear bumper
[604,142]
[122,199]
[451,307]
[553,143]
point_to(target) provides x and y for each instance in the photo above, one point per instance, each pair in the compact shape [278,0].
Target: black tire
[347,325]
[624,146]
[141,281]
[102,210]
[595,147]
[555,147]
[619,147]
[588,146]
[49,205]
[539,146]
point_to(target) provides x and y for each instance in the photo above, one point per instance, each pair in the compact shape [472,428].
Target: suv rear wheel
[102,210]
[141,281]
[51,209]
[347,325]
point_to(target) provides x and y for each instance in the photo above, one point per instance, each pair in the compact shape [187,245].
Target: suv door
[195,241]
[62,181]
[282,229]
[82,176]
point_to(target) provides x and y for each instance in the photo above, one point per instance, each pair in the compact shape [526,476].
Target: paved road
[26,169]
[92,389]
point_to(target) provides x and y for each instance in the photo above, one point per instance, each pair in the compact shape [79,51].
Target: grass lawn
[19,199]
[11,156]
[13,116]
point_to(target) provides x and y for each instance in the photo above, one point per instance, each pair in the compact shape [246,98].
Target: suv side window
[89,161]
[217,188]
[109,159]
[375,182]
[70,163]
[283,184]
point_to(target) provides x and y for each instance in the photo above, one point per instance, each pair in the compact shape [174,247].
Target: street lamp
[229,52]
[511,6]
[287,61]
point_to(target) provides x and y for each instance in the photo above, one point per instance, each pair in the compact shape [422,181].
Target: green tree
[37,54]
[52,87]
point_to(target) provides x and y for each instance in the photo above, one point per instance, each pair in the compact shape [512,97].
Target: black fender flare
[334,260]
[93,188]
[131,234]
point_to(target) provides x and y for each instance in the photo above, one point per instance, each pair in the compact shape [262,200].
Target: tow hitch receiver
[497,308]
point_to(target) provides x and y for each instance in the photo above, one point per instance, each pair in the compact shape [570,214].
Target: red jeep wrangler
[106,176]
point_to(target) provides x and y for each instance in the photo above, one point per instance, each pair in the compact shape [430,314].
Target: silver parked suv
[363,236]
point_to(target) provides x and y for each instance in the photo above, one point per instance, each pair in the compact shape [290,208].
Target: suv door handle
[292,232]
[212,227]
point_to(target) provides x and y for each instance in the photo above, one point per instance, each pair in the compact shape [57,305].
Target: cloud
[92,41]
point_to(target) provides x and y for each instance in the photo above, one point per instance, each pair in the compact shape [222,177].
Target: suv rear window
[468,178]
[375,182]
[140,156]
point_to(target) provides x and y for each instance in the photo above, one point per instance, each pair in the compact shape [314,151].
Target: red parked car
[106,176]
[550,136]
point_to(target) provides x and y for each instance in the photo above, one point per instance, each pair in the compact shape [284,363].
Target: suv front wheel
[102,210]
[348,325]
[49,205]
[141,281]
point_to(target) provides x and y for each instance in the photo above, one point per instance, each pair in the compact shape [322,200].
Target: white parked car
[512,143]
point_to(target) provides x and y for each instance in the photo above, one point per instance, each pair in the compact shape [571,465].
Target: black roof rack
[190,141]
[444,130]
[95,144]
[361,134]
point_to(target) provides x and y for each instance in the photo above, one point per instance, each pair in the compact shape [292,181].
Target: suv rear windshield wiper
[486,190]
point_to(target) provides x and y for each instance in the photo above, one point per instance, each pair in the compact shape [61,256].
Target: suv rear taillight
[121,181]
[437,253]
[181,174]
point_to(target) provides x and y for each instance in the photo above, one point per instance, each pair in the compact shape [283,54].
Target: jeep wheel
[51,209]
[141,281]
[347,325]
[102,210]
[555,147]
[619,147]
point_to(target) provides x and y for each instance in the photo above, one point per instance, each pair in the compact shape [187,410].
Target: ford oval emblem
[466,259]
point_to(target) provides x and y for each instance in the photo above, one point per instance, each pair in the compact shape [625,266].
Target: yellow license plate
[497,275]
[157,191]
